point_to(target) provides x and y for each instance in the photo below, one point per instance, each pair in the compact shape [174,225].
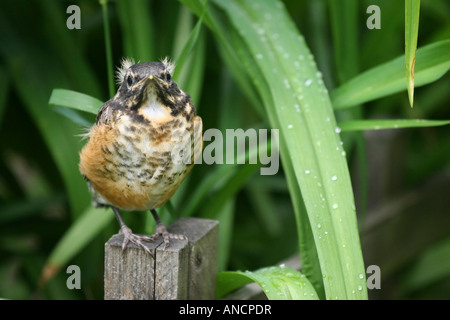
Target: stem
[109,62]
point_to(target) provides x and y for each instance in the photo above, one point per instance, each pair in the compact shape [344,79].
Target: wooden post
[187,269]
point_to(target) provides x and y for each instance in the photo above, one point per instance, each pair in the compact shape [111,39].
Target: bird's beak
[153,79]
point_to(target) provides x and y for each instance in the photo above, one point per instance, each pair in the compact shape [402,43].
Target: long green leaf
[432,62]
[81,232]
[137,29]
[75,100]
[300,106]
[412,10]
[389,124]
[433,265]
[190,43]
[108,48]
[278,283]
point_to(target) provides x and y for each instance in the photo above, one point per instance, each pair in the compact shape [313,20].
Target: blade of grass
[278,283]
[190,43]
[81,232]
[137,29]
[412,10]
[286,64]
[433,61]
[75,100]
[308,252]
[433,265]
[189,67]
[377,124]
[108,49]
[74,116]
[344,23]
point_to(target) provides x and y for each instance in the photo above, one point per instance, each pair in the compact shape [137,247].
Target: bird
[143,144]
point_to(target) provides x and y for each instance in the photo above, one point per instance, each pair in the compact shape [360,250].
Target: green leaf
[432,62]
[190,43]
[75,100]
[108,47]
[433,265]
[283,70]
[389,124]
[278,283]
[412,10]
[137,29]
[189,54]
[80,233]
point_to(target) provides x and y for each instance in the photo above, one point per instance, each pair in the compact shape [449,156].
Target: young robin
[143,144]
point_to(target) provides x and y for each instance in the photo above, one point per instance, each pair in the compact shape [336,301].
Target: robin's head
[148,84]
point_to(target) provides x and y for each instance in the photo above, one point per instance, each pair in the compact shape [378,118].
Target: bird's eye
[168,77]
[130,80]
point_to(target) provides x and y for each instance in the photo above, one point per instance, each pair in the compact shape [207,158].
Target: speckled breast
[138,165]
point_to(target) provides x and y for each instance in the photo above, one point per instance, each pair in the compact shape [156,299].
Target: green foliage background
[400,178]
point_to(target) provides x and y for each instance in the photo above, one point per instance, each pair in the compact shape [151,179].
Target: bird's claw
[129,236]
[161,231]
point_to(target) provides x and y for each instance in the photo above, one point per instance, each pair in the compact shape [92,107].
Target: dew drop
[337,130]
[361,276]
[308,82]
[307,171]
[319,226]
[290,126]
[334,178]
[335,206]
[287,84]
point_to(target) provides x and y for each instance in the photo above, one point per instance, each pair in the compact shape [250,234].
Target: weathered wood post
[187,269]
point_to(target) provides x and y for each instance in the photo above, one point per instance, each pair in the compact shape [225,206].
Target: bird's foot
[129,236]
[161,231]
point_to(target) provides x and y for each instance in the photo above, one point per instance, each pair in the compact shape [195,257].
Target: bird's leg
[128,235]
[161,231]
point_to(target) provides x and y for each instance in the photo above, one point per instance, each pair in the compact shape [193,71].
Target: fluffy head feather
[126,63]
[169,65]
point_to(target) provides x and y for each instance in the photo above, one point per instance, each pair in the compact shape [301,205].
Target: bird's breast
[135,165]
